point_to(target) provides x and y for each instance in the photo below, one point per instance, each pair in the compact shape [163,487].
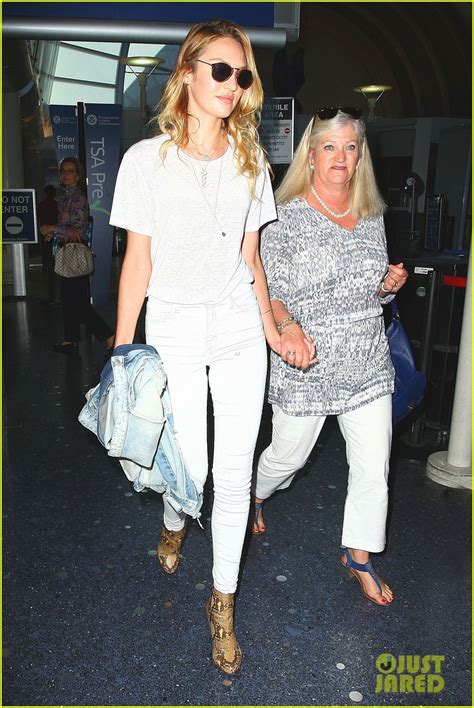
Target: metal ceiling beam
[93,30]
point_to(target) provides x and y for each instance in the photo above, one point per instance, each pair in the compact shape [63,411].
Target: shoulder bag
[410,384]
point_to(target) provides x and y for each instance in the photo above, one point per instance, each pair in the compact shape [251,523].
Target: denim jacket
[130,412]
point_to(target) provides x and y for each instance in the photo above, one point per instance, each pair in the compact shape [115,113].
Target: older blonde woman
[328,275]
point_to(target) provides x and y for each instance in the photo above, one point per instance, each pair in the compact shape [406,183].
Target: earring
[311,166]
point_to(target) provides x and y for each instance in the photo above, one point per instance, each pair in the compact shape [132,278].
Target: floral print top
[73,216]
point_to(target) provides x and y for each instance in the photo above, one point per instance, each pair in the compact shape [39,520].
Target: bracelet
[266,311]
[383,289]
[285,323]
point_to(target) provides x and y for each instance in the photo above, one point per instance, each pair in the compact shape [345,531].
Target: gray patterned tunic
[328,278]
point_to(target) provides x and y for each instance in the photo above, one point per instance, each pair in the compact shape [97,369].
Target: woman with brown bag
[73,220]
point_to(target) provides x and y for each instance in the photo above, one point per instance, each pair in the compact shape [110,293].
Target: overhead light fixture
[141,61]
[372,92]
[142,77]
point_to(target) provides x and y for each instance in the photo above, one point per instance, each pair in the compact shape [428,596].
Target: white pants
[228,338]
[368,435]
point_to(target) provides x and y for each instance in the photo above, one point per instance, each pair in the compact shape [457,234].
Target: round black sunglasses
[221,71]
[332,111]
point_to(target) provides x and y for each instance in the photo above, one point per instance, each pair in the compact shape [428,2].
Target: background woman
[192,201]
[328,275]
[73,219]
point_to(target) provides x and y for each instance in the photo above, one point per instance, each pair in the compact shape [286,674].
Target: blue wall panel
[256,14]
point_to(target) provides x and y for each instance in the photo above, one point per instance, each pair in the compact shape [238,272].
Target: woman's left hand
[394,279]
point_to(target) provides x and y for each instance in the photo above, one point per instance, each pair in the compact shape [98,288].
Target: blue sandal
[351,566]
[255,528]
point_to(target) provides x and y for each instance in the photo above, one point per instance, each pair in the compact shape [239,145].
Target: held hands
[296,347]
[288,340]
[394,279]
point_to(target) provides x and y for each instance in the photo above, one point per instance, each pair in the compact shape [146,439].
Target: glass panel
[145,50]
[109,47]
[67,94]
[82,65]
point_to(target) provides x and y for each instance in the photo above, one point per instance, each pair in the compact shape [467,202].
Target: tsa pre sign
[102,133]
[19,216]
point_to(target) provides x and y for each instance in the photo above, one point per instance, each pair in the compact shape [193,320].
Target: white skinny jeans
[368,435]
[228,338]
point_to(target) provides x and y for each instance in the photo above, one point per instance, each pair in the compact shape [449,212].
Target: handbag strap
[394,309]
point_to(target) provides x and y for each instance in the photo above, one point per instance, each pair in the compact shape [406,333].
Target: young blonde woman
[193,200]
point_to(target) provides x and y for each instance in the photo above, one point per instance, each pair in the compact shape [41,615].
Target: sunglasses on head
[221,71]
[332,111]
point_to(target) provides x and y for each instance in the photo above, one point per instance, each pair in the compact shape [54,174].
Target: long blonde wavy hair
[243,121]
[364,196]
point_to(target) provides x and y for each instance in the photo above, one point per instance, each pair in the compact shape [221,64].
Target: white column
[453,468]
[12,167]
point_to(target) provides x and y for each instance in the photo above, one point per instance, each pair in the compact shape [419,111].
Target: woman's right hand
[47,231]
[296,347]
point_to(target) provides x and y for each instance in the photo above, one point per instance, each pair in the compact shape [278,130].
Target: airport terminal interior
[89,618]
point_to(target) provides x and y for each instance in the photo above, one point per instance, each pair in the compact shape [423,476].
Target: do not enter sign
[19,216]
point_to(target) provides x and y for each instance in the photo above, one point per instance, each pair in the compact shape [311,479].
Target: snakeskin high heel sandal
[168,549]
[256,527]
[351,566]
[226,652]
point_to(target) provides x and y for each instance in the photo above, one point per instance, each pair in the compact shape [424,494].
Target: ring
[290,353]
[395,283]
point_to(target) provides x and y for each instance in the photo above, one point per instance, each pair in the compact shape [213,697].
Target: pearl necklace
[325,206]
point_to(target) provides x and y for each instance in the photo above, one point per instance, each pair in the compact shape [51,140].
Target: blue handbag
[410,384]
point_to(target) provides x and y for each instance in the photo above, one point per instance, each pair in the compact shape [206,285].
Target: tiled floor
[90,619]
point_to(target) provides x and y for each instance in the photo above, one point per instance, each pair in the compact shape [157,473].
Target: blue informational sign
[19,216]
[102,133]
[64,124]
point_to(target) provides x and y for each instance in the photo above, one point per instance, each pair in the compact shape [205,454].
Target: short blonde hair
[243,121]
[81,175]
[364,197]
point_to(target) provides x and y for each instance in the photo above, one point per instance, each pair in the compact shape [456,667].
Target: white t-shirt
[185,216]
